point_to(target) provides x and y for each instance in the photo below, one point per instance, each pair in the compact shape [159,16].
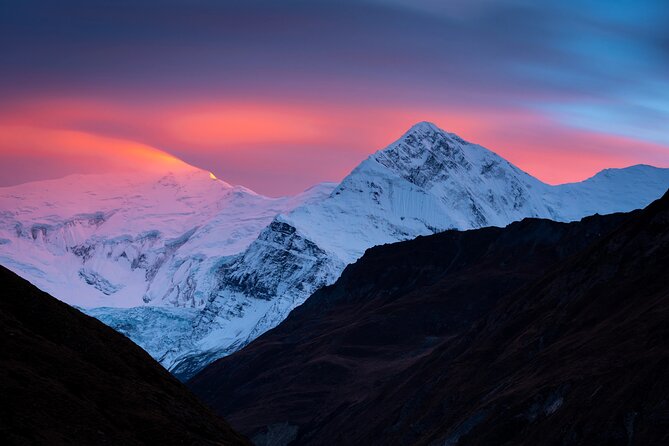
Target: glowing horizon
[278,99]
[116,154]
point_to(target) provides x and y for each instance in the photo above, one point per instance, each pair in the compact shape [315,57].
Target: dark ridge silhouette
[68,379]
[538,333]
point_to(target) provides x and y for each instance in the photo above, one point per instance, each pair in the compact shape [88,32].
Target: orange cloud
[243,124]
[30,150]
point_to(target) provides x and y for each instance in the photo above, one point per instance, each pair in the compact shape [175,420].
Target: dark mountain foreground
[68,379]
[540,333]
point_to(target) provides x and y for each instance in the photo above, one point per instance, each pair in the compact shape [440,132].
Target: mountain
[66,378]
[538,333]
[134,248]
[192,268]
[426,182]
[128,240]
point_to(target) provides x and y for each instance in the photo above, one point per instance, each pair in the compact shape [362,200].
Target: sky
[279,95]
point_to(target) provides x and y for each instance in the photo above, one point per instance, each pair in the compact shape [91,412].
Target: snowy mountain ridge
[428,181]
[124,241]
[207,267]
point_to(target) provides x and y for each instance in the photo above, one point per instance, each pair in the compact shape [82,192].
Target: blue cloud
[596,64]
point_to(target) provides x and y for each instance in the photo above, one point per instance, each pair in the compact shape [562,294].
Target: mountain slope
[426,182]
[147,241]
[538,333]
[127,240]
[581,357]
[386,311]
[66,378]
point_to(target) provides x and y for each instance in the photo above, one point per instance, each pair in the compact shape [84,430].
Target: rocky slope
[66,378]
[539,333]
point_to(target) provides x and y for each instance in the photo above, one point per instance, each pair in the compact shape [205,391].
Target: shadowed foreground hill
[66,378]
[538,333]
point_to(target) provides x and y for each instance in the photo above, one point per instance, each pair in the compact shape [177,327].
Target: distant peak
[428,149]
[425,127]
[628,170]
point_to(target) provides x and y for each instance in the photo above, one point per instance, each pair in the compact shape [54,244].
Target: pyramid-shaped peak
[425,127]
[425,153]
[422,139]
[430,130]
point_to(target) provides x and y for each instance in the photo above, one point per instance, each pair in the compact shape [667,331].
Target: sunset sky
[279,95]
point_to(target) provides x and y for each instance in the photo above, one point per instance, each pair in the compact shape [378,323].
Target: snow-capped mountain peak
[423,147]
[427,181]
[208,266]
[426,155]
